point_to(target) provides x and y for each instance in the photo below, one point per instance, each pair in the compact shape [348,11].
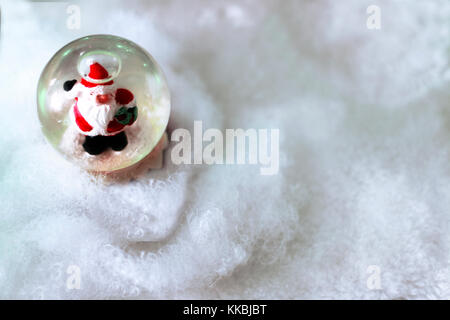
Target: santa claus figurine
[100,110]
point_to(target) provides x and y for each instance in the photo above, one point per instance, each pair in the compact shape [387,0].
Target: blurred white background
[359,209]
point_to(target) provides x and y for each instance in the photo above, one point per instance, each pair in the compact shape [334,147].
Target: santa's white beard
[99,116]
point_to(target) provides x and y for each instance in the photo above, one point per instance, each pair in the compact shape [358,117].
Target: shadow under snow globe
[104,103]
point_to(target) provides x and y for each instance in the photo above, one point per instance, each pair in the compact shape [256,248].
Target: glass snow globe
[103,102]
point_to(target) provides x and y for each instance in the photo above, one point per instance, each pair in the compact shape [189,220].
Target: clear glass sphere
[128,66]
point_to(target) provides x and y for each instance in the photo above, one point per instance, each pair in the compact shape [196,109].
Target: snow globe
[103,102]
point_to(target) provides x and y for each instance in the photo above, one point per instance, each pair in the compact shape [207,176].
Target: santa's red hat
[96,72]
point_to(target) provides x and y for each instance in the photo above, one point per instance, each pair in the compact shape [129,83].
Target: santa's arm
[68,85]
[72,88]
[128,113]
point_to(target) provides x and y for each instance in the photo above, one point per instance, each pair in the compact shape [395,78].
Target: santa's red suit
[100,109]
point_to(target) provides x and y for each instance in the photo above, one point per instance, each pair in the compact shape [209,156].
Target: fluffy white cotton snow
[364,156]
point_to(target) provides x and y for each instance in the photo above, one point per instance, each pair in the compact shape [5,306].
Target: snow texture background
[364,119]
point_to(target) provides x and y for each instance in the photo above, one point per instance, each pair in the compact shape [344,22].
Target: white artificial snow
[364,156]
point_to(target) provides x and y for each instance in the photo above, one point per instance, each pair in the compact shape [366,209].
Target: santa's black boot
[118,142]
[95,145]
